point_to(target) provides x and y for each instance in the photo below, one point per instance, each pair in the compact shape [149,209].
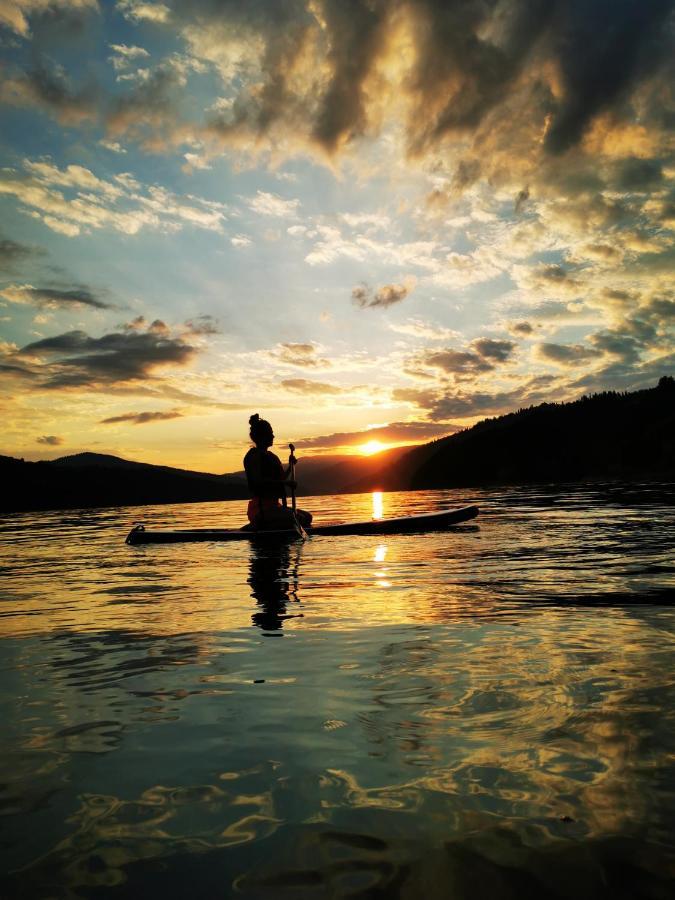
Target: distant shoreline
[606,438]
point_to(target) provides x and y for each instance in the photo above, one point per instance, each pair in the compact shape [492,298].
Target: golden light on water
[371,447]
[377,505]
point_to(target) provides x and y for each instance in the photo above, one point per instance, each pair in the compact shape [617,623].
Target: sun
[371,447]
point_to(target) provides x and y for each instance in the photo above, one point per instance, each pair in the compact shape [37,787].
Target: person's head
[261,431]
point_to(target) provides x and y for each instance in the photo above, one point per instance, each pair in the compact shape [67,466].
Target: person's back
[264,473]
[267,481]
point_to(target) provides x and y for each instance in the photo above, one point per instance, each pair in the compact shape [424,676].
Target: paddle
[291,463]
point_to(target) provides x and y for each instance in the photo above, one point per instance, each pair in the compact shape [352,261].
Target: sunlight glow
[377,505]
[371,447]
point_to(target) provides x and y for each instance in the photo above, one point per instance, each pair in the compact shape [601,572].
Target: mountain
[94,479]
[606,436]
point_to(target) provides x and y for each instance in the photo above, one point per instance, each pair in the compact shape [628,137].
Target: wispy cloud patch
[301,355]
[143,418]
[53,298]
[266,204]
[365,297]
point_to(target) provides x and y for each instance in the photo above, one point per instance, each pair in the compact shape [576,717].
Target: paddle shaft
[291,462]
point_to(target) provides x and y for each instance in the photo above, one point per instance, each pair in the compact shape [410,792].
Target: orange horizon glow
[372,447]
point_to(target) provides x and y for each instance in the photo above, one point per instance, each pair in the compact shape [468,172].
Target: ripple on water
[482,712]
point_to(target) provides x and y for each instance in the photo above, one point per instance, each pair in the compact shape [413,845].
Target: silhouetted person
[267,482]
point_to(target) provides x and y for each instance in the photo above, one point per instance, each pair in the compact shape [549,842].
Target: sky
[365,220]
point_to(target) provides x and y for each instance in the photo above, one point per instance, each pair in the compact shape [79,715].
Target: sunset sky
[363,219]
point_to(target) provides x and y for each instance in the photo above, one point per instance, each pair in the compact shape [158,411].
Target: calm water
[487,712]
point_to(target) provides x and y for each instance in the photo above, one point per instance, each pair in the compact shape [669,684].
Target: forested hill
[96,479]
[605,436]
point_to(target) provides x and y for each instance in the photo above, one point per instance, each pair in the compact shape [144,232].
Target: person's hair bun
[254,419]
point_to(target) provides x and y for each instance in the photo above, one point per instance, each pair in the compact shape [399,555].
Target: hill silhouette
[605,436]
[96,479]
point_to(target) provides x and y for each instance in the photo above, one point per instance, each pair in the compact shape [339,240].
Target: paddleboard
[434,521]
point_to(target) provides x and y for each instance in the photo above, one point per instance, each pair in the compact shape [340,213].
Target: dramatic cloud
[484,356]
[15,14]
[489,348]
[142,418]
[52,298]
[387,295]
[78,360]
[51,440]
[509,160]
[567,354]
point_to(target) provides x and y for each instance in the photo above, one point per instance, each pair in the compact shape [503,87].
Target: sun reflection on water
[377,505]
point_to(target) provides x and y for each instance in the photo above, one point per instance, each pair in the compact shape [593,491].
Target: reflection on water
[378,506]
[486,712]
[273,578]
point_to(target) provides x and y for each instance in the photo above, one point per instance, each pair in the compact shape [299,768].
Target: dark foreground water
[482,713]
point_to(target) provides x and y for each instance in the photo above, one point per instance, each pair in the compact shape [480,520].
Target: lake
[485,712]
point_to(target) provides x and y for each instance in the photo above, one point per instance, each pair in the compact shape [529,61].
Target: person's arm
[256,480]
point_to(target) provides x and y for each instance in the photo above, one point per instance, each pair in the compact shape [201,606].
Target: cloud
[143,418]
[52,298]
[521,329]
[51,440]
[52,92]
[140,11]
[14,14]
[551,279]
[485,354]
[113,146]
[124,55]
[458,404]
[567,354]
[203,325]
[306,386]
[266,204]
[387,295]
[424,330]
[13,254]
[457,362]
[95,203]
[299,354]
[241,240]
[522,197]
[395,432]
[599,65]
[77,360]
[489,348]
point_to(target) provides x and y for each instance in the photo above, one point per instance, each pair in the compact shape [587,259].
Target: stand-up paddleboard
[435,521]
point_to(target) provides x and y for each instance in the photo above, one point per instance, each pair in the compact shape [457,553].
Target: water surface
[482,712]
